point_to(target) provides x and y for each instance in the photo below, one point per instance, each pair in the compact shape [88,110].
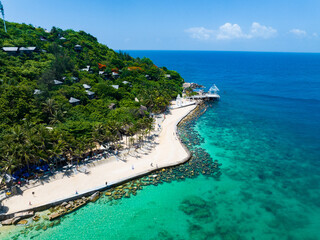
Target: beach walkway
[166,151]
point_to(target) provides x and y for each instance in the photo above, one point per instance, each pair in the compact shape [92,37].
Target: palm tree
[49,108]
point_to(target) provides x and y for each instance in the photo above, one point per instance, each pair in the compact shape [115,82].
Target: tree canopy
[36,118]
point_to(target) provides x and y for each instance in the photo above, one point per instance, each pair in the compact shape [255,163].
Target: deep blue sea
[265,131]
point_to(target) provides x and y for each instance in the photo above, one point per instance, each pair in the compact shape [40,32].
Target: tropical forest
[63,94]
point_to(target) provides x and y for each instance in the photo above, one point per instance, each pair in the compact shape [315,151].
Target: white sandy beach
[167,151]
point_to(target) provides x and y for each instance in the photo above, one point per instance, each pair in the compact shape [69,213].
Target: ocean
[265,133]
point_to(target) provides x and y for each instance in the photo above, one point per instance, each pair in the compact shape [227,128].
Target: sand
[165,150]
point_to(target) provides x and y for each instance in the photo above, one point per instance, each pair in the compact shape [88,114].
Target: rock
[64,204]
[196,207]
[68,206]
[54,215]
[108,193]
[25,214]
[142,110]
[15,220]
[23,222]
[94,197]
[7,222]
[36,218]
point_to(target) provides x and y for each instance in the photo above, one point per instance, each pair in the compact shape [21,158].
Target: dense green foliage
[45,125]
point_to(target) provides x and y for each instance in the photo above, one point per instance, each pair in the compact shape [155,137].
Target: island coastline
[157,158]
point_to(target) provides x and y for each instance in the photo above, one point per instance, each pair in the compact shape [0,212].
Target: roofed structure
[86,86]
[10,49]
[74,101]
[57,82]
[37,92]
[78,48]
[115,86]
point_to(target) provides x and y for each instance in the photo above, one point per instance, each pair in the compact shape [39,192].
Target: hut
[42,38]
[115,75]
[86,86]
[74,101]
[57,82]
[112,106]
[115,86]
[74,79]
[90,94]
[78,48]
[37,92]
[27,50]
[11,50]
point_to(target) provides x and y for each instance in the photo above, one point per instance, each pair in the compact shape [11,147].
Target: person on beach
[151,164]
[132,167]
[30,203]
[76,192]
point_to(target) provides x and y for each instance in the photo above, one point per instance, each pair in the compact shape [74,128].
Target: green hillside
[46,110]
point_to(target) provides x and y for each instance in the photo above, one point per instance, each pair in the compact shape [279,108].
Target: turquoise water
[265,132]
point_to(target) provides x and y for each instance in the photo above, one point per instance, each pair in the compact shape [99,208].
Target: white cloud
[258,30]
[230,31]
[199,33]
[298,32]
[315,34]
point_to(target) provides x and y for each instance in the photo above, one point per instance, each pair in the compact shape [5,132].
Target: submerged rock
[196,207]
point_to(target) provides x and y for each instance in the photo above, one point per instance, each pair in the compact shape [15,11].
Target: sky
[221,25]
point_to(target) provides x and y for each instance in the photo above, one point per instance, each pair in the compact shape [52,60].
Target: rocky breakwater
[17,218]
[67,207]
[200,163]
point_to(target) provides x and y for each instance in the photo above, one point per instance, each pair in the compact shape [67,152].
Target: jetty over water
[211,95]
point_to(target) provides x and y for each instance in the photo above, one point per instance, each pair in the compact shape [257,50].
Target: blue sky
[273,25]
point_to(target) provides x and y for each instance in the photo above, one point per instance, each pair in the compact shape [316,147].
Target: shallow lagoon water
[266,133]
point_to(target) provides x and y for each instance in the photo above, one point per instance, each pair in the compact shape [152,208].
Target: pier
[211,95]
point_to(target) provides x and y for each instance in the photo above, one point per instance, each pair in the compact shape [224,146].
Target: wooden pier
[205,97]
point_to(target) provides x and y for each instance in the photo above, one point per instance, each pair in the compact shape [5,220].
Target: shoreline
[168,137]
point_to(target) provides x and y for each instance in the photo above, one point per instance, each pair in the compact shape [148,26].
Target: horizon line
[194,50]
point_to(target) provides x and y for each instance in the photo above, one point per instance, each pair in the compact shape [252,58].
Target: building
[115,86]
[42,38]
[87,69]
[78,48]
[115,75]
[90,94]
[11,50]
[74,79]
[112,106]
[86,86]
[37,92]
[57,82]
[74,101]
[27,50]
